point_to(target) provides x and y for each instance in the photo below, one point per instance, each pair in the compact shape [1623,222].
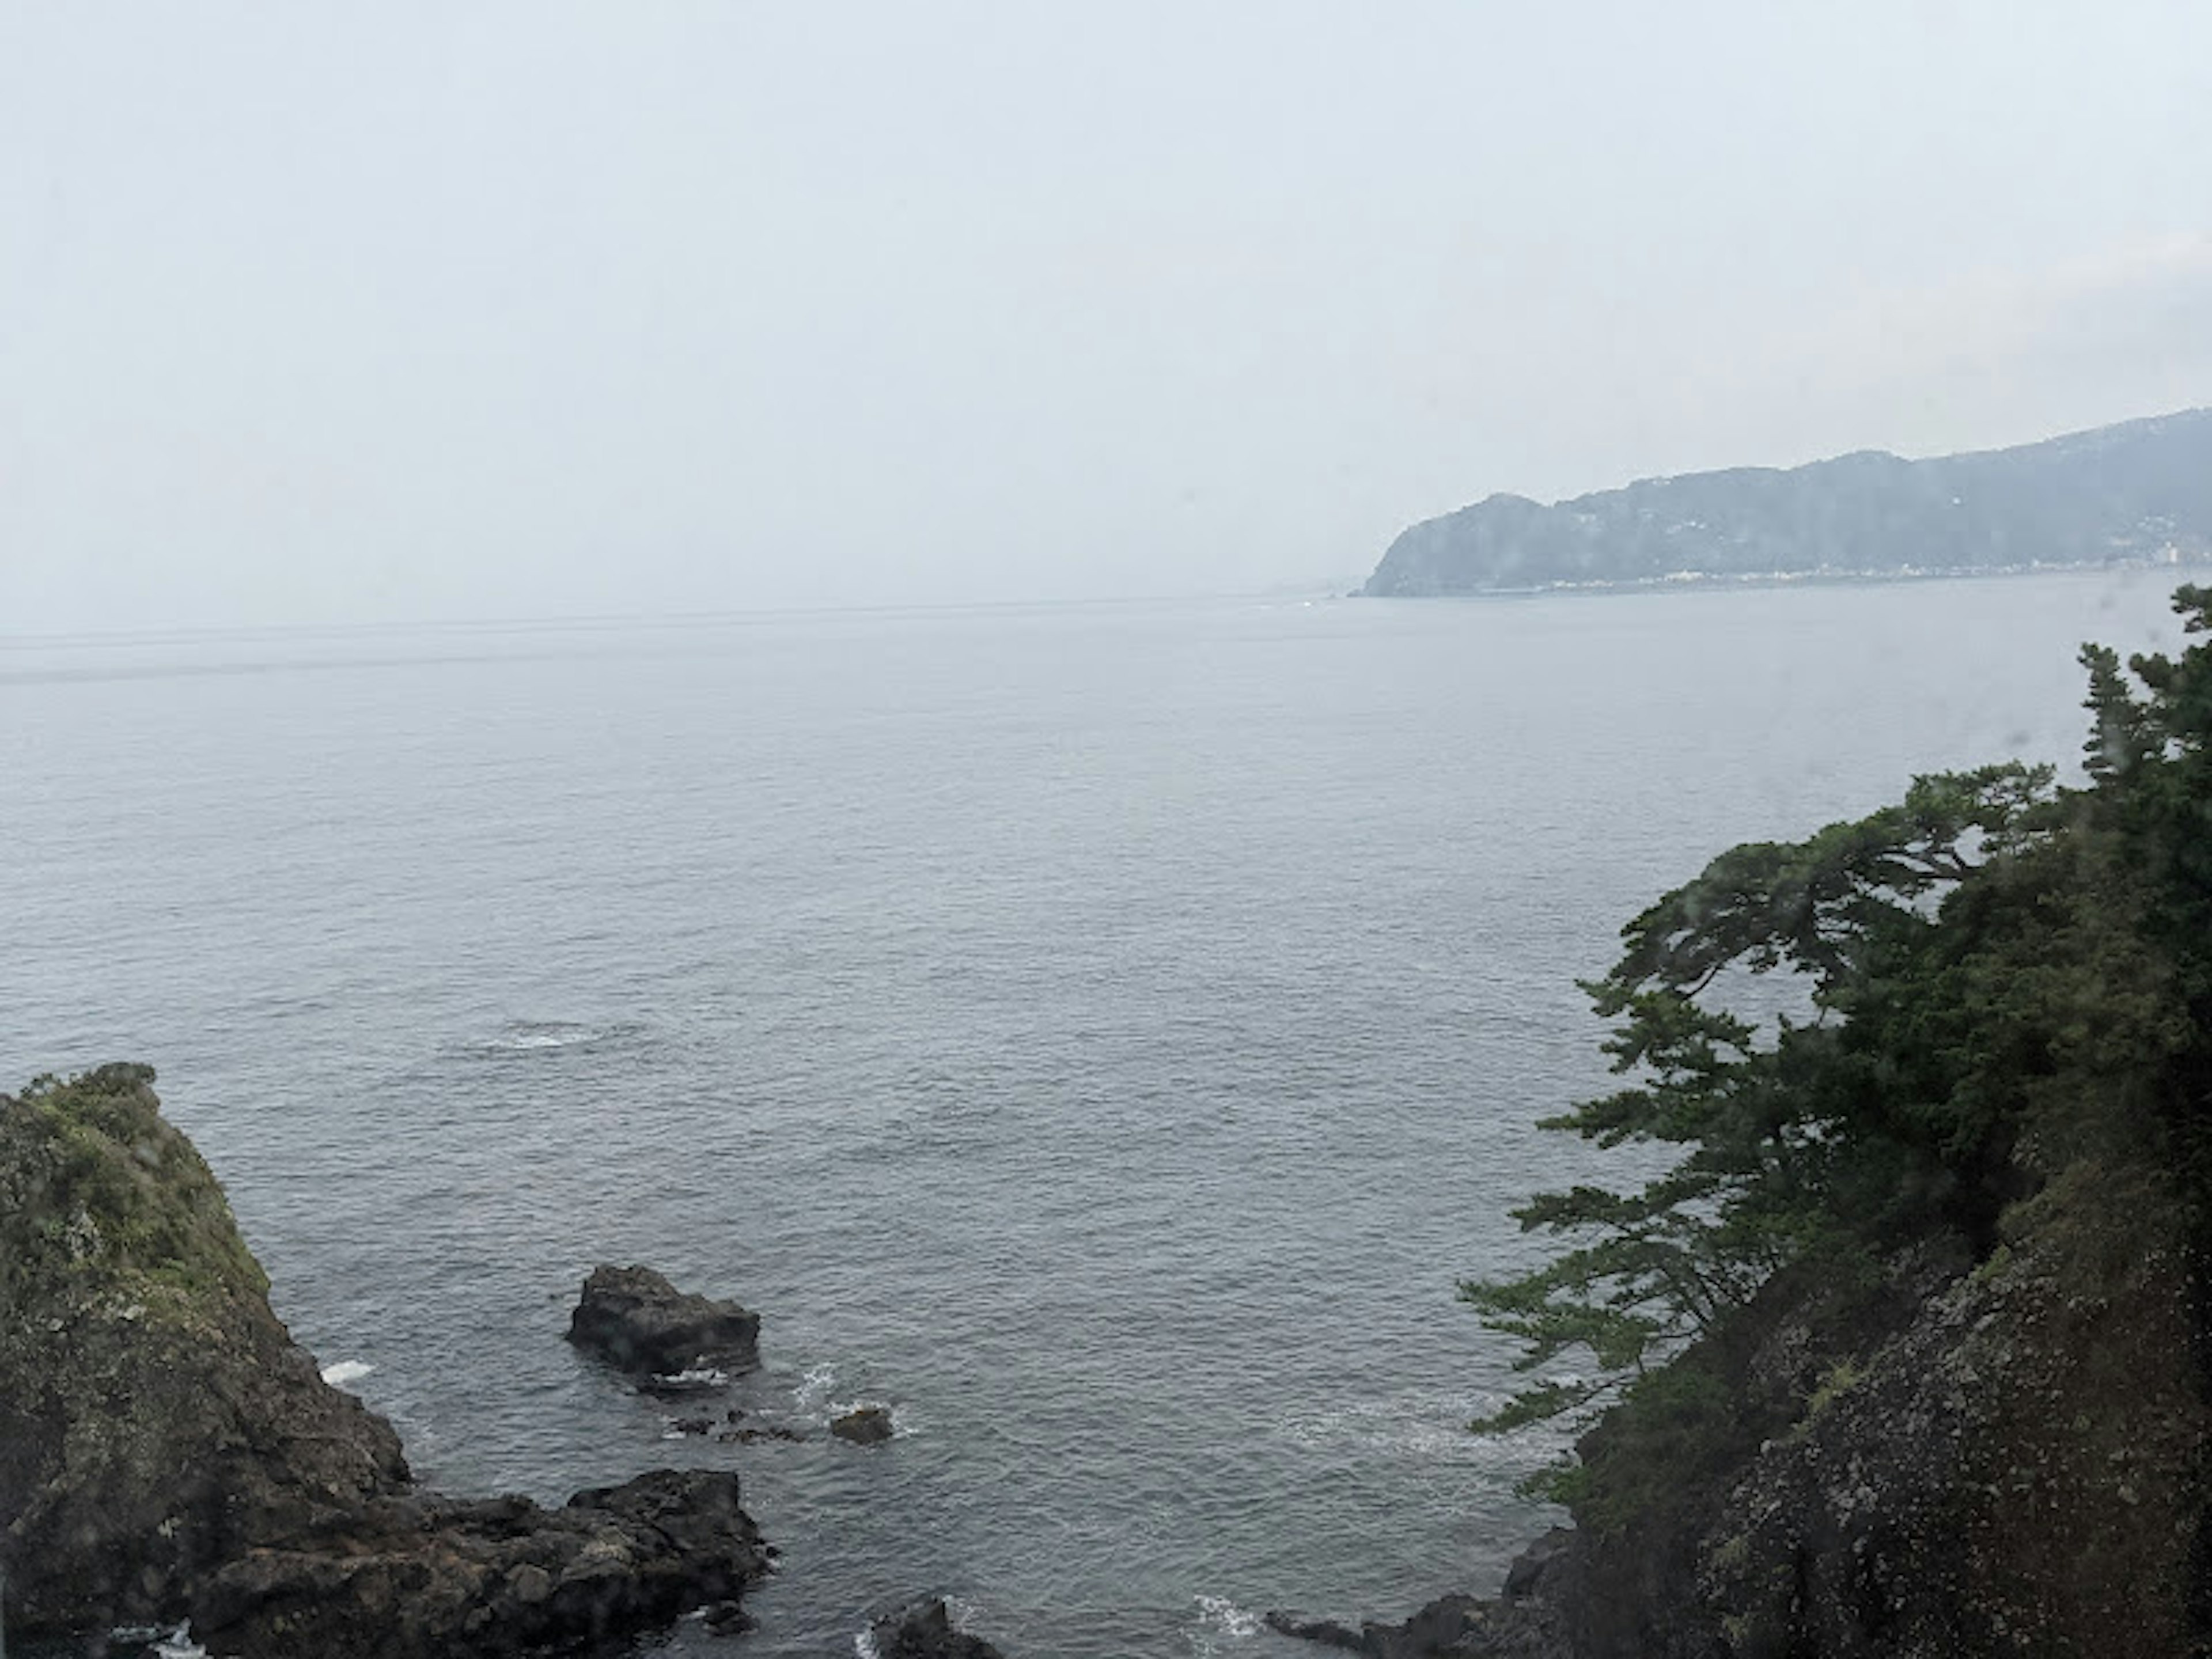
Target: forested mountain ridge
[2138,492]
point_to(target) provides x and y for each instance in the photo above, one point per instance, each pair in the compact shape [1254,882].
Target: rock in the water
[416,1579]
[1450,1627]
[642,1323]
[863,1426]
[167,1452]
[926,1631]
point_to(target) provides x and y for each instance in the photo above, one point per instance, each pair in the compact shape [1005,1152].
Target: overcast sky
[388,311]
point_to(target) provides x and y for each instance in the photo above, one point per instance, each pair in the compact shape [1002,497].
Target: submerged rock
[926,1631]
[863,1426]
[637,1321]
[167,1452]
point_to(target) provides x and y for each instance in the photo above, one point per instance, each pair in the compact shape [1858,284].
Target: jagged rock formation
[167,1452]
[863,1426]
[2138,492]
[2012,1458]
[637,1321]
[1515,1626]
[2019,1467]
[422,1578]
[926,1631]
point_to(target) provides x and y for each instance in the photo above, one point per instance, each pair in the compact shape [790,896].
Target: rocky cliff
[167,1452]
[2006,1458]
[2140,492]
[1948,1460]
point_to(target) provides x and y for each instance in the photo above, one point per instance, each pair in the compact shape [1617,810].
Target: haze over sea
[1101,1032]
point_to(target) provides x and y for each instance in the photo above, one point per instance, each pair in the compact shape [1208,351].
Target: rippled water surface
[1102,1033]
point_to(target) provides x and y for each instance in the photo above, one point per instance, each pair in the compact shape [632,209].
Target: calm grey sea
[1101,1033]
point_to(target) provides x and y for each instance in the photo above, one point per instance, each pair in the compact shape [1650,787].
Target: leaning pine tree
[1991,970]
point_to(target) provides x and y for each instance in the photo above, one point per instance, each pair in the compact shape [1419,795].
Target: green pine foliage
[1993,978]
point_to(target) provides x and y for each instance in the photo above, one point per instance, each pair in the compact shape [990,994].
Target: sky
[393,312]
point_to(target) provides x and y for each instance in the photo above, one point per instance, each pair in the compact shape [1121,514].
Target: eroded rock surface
[926,1631]
[863,1426]
[638,1321]
[1520,1623]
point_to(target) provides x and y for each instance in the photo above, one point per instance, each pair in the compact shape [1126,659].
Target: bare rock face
[2023,1469]
[638,1321]
[863,1426]
[2005,1457]
[926,1631]
[1521,1623]
[415,1579]
[167,1452]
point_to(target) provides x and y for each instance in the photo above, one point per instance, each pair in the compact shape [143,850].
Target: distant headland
[2138,493]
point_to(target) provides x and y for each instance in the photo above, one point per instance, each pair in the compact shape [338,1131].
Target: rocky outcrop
[167,1452]
[926,1631]
[638,1321]
[1450,1627]
[1523,1622]
[2008,1456]
[2023,1469]
[863,1426]
[2011,1455]
[407,1578]
[2139,492]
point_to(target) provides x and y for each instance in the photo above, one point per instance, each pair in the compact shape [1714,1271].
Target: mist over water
[1100,1033]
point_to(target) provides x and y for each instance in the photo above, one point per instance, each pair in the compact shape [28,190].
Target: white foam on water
[702,1376]
[810,1398]
[1220,1619]
[346,1370]
[864,1644]
[1429,1429]
[179,1644]
[524,1037]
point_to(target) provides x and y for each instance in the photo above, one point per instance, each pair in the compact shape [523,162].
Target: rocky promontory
[925,1630]
[2140,492]
[168,1453]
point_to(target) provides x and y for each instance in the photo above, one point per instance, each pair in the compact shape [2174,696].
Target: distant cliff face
[2140,491]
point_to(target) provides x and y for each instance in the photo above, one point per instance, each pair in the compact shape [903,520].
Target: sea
[1104,1035]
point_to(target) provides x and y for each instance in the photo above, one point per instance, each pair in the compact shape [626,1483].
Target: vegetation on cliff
[1924,1282]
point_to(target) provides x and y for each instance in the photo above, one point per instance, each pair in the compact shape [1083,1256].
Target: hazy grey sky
[391,311]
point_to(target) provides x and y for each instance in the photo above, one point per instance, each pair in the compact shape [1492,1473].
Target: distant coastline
[1683,580]
[2134,496]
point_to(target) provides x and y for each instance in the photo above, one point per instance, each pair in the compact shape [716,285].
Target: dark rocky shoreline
[169,1454]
